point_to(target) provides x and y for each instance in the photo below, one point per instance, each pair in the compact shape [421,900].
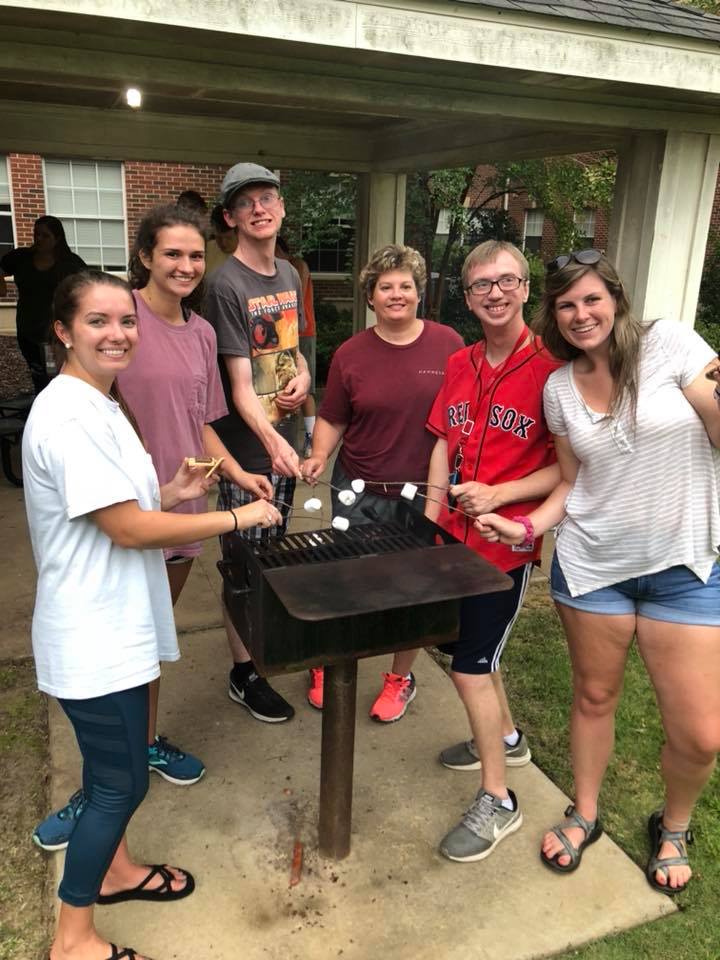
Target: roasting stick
[409,494]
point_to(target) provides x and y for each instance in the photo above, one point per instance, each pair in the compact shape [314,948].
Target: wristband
[529,540]
[234,516]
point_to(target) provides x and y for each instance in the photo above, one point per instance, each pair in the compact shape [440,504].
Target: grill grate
[321,546]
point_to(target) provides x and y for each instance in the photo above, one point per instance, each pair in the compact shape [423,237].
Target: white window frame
[4,159]
[584,217]
[121,218]
[538,211]
[332,274]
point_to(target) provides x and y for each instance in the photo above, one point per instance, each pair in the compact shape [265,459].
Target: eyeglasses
[507,283]
[266,200]
[584,257]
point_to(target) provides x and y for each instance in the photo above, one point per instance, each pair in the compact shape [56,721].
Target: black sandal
[592,830]
[163,892]
[127,953]
[680,839]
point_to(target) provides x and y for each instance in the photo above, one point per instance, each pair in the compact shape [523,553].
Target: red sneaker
[397,693]
[315,691]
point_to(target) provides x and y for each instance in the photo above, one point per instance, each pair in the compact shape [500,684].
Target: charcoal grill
[329,597]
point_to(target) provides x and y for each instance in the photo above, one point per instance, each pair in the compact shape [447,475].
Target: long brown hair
[168,215]
[625,337]
[65,306]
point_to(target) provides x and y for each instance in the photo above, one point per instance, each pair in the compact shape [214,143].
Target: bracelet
[234,516]
[529,540]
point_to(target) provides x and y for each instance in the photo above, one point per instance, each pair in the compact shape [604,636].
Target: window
[7,238]
[443,224]
[88,197]
[334,251]
[533,230]
[585,226]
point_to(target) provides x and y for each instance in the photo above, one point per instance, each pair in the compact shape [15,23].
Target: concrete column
[660,220]
[380,219]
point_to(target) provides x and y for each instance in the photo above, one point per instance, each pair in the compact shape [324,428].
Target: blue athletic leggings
[112,735]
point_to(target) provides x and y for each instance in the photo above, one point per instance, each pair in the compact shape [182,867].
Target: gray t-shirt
[258,317]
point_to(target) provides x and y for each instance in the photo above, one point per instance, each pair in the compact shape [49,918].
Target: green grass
[24,912]
[537,676]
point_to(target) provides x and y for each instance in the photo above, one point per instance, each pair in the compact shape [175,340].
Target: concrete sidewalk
[235,829]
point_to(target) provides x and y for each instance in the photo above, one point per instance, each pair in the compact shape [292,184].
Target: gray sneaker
[463,756]
[481,829]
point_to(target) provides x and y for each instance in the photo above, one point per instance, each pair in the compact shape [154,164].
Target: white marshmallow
[409,491]
[347,498]
[313,505]
[340,523]
[358,485]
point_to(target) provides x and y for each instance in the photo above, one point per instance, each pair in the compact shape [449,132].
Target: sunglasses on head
[585,257]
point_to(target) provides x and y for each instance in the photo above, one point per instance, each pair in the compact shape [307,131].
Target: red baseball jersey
[493,417]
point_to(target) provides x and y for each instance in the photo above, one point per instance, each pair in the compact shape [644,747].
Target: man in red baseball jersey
[493,453]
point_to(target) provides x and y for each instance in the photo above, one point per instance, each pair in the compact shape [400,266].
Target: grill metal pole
[336,760]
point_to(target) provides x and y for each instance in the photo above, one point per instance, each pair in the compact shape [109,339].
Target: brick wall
[28,194]
[147,184]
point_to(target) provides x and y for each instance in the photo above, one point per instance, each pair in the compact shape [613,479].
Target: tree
[472,203]
[707,6]
[315,202]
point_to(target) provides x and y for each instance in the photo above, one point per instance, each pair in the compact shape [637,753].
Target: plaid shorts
[230,496]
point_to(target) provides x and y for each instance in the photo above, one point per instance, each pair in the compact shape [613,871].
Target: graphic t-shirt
[257,317]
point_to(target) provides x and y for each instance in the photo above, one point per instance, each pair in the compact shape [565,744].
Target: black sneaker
[260,699]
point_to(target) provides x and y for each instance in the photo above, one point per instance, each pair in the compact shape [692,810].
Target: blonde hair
[625,337]
[393,256]
[488,252]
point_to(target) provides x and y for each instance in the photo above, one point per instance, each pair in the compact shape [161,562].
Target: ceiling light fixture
[133,96]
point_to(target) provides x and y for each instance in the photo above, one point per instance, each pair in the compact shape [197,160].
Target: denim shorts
[674,595]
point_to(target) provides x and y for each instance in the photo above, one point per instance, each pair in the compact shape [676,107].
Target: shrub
[333,327]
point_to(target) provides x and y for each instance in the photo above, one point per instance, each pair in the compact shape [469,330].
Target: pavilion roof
[663,16]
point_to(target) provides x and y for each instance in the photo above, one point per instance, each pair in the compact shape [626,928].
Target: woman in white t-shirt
[103,616]
[636,429]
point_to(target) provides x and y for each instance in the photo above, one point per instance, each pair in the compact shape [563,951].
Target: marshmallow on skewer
[347,498]
[409,491]
[358,486]
[313,505]
[340,523]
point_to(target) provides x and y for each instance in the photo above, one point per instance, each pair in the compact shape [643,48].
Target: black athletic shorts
[485,624]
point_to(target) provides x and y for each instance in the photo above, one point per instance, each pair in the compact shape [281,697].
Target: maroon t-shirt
[383,392]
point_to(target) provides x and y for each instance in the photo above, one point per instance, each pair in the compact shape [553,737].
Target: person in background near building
[255,304]
[36,271]
[222,243]
[493,447]
[637,430]
[103,615]
[307,337]
[381,385]
[194,201]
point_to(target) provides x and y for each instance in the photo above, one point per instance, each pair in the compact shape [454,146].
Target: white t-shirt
[647,495]
[103,614]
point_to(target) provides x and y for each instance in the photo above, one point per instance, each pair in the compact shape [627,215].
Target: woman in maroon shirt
[381,385]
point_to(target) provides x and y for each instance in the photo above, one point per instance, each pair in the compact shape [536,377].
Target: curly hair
[625,337]
[393,256]
[168,215]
